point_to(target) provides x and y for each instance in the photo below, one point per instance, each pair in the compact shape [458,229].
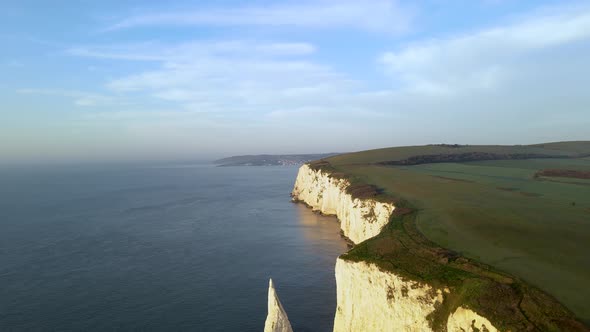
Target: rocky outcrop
[360,219]
[276,319]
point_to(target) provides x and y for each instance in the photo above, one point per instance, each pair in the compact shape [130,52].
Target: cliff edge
[368,298]
[395,279]
[360,219]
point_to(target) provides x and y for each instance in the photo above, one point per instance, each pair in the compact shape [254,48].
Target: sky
[176,80]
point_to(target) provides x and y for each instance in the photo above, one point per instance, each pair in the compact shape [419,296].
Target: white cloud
[118,53]
[79,98]
[156,51]
[229,85]
[483,59]
[226,76]
[370,15]
[471,88]
[215,76]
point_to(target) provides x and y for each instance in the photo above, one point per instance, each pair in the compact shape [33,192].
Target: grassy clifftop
[462,221]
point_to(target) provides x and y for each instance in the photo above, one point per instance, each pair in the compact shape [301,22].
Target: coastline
[460,285]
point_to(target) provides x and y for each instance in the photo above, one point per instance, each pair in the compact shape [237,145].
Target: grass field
[496,211]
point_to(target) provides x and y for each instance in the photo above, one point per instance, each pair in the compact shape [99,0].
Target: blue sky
[139,80]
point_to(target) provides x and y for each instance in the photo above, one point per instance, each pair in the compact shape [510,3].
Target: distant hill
[271,160]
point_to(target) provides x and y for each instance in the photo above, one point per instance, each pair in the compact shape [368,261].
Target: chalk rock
[360,219]
[276,320]
[370,299]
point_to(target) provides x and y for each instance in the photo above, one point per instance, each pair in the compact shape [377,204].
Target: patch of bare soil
[563,173]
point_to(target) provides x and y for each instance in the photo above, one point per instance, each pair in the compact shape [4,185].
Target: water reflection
[322,244]
[319,231]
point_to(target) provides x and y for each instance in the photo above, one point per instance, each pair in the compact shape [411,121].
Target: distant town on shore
[271,160]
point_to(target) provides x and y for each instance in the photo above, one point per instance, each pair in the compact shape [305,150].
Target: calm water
[161,249]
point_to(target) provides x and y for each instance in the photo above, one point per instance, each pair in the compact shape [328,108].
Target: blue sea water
[160,248]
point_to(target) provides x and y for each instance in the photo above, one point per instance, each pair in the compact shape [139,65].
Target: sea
[160,247]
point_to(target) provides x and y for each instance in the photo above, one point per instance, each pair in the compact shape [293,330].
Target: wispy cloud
[370,15]
[217,84]
[157,51]
[225,76]
[79,98]
[486,78]
[482,59]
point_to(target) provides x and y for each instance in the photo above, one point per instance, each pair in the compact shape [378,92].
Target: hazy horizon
[179,81]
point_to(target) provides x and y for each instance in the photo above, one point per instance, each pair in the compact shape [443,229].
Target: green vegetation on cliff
[467,212]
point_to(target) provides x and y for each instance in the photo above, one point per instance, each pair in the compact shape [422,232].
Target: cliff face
[368,298]
[359,219]
[372,300]
[276,320]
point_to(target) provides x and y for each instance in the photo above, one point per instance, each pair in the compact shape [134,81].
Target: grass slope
[496,212]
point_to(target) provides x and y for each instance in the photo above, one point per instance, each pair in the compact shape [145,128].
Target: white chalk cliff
[276,319]
[359,219]
[368,298]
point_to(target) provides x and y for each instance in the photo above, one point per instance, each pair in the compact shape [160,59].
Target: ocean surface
[161,248]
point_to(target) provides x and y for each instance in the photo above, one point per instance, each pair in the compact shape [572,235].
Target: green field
[497,212]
